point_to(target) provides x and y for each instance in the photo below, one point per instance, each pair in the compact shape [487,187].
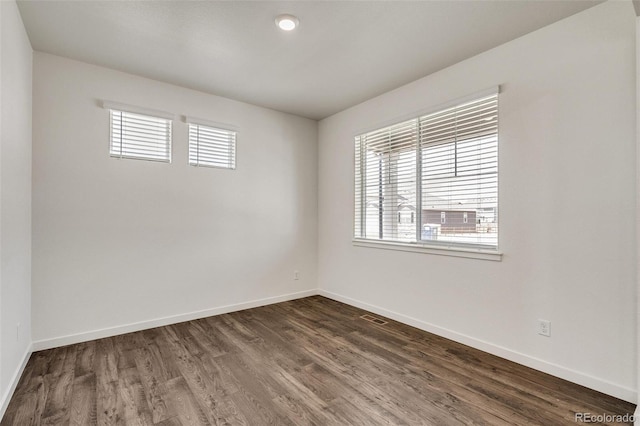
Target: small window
[211,147]
[140,136]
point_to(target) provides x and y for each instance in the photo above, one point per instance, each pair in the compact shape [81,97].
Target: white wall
[121,242]
[15,195]
[567,207]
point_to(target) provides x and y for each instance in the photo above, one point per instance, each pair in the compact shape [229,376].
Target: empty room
[319,212]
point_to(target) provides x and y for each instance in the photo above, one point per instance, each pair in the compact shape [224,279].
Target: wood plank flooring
[308,361]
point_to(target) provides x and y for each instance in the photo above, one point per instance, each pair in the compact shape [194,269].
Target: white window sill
[470,253]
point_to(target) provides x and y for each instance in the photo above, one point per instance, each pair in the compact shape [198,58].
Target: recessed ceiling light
[287,22]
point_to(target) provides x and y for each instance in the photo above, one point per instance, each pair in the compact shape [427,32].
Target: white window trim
[138,110]
[444,250]
[203,122]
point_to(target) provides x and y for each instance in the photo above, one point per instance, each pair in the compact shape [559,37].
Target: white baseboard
[71,339]
[604,386]
[4,402]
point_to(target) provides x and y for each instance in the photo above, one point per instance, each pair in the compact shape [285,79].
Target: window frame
[217,127]
[457,249]
[146,112]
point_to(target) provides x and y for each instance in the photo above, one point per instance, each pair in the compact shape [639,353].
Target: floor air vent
[373,319]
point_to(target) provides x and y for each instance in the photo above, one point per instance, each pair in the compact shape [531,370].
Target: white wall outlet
[17,332]
[296,275]
[544,328]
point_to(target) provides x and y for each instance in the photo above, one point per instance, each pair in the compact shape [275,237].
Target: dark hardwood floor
[309,361]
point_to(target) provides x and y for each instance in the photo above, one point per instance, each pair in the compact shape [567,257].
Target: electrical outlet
[544,328]
[17,332]
[296,275]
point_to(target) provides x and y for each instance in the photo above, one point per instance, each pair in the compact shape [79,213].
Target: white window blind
[140,136]
[386,181]
[443,167]
[211,147]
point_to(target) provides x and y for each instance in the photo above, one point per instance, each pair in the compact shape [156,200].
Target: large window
[432,179]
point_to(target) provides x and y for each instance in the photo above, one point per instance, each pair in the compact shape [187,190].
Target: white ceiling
[343,52]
